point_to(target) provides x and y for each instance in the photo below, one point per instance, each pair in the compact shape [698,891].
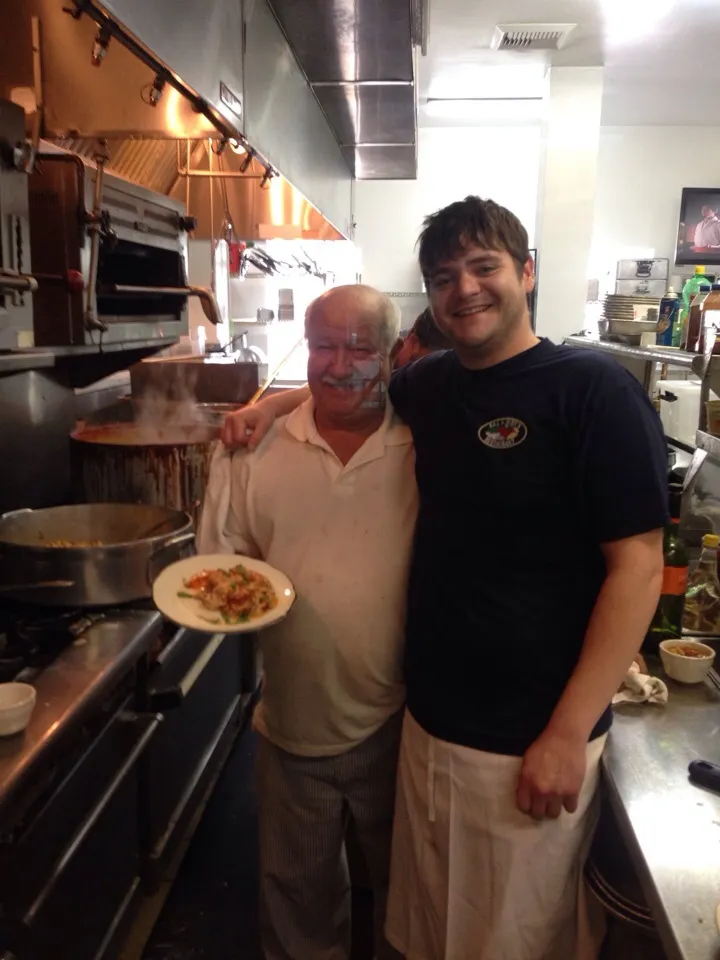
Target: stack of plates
[618,307]
[625,319]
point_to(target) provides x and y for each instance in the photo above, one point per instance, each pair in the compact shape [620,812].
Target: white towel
[211,537]
[640,688]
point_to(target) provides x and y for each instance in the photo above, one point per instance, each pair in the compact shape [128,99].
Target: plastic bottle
[702,600]
[692,286]
[669,309]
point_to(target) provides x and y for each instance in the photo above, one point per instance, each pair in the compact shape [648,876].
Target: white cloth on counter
[343,535]
[640,688]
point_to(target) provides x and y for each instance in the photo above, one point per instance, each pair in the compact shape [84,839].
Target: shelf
[673,358]
[680,444]
[16,362]
[113,346]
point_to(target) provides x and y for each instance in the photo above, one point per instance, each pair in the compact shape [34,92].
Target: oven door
[71,870]
[204,684]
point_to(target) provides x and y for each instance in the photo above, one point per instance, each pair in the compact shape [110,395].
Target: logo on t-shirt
[503,433]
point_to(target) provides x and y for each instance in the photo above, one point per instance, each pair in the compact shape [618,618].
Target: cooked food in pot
[73,543]
[237,595]
[146,435]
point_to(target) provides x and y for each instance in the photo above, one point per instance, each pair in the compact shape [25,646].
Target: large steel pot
[136,543]
[130,463]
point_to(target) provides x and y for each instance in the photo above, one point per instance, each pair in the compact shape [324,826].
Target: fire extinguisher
[235,252]
[235,247]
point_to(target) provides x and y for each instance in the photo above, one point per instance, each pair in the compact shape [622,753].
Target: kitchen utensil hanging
[227,229]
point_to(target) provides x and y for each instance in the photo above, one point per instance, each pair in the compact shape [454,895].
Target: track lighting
[156,91]
[100,46]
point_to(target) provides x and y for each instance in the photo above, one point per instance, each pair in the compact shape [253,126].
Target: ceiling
[650,50]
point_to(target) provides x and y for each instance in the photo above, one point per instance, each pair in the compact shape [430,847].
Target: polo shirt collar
[392,432]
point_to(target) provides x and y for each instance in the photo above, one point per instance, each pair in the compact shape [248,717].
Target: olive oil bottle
[702,600]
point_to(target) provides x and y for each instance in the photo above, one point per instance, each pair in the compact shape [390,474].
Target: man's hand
[246,427]
[551,776]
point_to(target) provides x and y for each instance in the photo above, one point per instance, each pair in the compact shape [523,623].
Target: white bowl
[16,706]
[683,668]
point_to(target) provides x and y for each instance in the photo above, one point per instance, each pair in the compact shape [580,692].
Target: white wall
[639,178]
[567,198]
[497,162]
[641,173]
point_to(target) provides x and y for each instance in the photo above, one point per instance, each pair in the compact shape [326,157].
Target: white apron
[472,877]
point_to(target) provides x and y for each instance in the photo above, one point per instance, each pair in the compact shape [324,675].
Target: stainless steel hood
[134,72]
[234,56]
[358,58]
[284,119]
[202,42]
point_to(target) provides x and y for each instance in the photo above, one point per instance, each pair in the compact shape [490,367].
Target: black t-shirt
[523,470]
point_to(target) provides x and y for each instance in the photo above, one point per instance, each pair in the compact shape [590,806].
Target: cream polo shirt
[707,233]
[343,534]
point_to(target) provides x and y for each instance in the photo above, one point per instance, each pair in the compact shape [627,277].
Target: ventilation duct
[524,37]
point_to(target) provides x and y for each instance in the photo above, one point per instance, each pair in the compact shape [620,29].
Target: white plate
[189,612]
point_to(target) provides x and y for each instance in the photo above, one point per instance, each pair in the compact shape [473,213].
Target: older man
[329,498]
[707,232]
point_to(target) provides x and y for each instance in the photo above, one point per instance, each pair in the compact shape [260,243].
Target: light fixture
[237,147]
[156,90]
[484,109]
[245,165]
[100,46]
[267,177]
[473,80]
[627,21]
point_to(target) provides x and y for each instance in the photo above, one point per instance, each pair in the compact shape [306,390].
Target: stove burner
[52,628]
[31,637]
[33,640]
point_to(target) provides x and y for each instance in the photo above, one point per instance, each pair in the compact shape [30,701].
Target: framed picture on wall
[698,238]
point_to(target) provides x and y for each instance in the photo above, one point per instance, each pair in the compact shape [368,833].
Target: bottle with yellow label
[702,599]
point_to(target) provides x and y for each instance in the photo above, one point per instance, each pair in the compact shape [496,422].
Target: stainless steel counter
[70,687]
[672,827]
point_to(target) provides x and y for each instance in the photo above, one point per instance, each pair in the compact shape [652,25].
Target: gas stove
[31,637]
[113,765]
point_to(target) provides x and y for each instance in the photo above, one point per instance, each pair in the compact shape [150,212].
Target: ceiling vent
[531,36]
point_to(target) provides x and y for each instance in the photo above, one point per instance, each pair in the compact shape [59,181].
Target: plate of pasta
[222,593]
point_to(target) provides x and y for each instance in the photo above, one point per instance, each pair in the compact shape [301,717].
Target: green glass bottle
[668,619]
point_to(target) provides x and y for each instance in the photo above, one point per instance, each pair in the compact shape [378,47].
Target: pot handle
[177,541]
[15,513]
